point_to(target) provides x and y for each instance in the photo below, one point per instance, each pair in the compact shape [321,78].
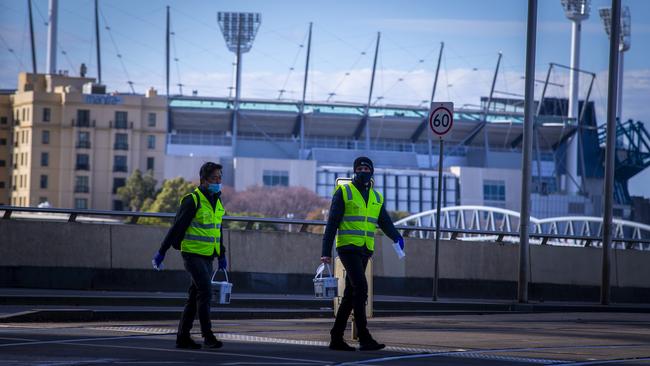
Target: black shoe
[371,345]
[340,345]
[212,342]
[186,342]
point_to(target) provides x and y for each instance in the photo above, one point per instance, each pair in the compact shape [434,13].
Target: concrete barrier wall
[130,247]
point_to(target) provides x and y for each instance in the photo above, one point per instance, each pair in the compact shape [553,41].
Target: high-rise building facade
[72,145]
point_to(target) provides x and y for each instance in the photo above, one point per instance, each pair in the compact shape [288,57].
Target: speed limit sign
[441,118]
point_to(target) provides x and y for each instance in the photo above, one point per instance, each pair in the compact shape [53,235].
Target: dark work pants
[354,296]
[198,296]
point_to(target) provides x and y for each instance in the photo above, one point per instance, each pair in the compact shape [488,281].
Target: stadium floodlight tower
[576,11]
[239,30]
[623,45]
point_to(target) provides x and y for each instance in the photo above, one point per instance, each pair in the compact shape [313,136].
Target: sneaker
[212,342]
[186,342]
[340,345]
[371,345]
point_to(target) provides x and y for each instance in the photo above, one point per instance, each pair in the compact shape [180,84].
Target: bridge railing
[500,236]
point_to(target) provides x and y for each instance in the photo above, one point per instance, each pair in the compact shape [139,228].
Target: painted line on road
[203,352]
[487,354]
[602,362]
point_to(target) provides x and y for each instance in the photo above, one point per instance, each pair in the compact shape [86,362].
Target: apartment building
[71,144]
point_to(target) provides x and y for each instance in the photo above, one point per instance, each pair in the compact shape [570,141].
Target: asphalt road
[508,339]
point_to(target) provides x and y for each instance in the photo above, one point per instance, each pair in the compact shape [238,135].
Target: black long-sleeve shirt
[183,219]
[337,209]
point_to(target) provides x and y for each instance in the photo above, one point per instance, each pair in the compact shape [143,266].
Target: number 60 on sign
[441,118]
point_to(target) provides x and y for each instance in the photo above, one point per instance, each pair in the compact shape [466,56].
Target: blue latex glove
[400,241]
[157,261]
[223,263]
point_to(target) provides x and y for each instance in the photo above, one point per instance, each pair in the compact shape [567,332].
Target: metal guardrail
[452,234]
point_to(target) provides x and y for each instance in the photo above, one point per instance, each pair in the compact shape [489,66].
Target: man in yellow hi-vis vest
[197,233]
[356,211]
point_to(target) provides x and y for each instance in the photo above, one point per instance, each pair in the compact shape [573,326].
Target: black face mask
[363,178]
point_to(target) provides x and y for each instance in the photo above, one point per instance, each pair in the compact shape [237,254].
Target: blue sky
[474,31]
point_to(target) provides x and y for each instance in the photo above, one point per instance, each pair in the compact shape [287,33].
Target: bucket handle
[224,272]
[321,269]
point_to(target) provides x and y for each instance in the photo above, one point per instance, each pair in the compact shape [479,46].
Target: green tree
[167,200]
[138,188]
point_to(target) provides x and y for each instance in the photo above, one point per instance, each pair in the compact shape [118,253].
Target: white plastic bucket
[325,287]
[221,290]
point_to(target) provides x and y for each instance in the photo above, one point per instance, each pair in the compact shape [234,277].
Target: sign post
[441,120]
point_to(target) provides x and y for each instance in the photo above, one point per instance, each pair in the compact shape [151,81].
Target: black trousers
[198,296]
[355,295]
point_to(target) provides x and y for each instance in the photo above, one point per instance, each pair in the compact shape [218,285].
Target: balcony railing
[83,145]
[82,166]
[120,125]
[121,146]
[81,189]
[120,168]
[83,123]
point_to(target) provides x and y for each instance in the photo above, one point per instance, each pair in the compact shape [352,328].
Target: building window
[494,190]
[46,115]
[83,162]
[151,120]
[121,141]
[117,183]
[81,184]
[276,178]
[151,142]
[80,203]
[83,118]
[120,119]
[118,205]
[3,142]
[45,137]
[3,120]
[119,163]
[83,140]
[150,163]
[45,159]
[3,163]
[43,181]
[2,184]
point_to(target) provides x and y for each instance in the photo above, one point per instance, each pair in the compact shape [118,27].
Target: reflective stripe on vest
[203,236]
[359,219]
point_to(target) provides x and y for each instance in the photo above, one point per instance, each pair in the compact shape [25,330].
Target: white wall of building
[473,179]
[249,172]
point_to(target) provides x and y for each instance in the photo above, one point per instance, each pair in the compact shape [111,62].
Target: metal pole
[574,80]
[31,36]
[610,149]
[51,37]
[529,120]
[304,94]
[235,113]
[619,104]
[487,107]
[167,55]
[541,98]
[433,94]
[372,83]
[436,249]
[99,58]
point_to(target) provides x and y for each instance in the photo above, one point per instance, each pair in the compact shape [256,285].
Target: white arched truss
[567,230]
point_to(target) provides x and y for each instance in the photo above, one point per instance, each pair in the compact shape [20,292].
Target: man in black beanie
[356,211]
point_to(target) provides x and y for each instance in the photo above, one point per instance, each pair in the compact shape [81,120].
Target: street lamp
[576,11]
[623,45]
[239,30]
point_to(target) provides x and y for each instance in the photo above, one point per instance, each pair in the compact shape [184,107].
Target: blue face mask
[214,187]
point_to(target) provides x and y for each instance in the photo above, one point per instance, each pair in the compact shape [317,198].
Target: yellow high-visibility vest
[204,234]
[359,219]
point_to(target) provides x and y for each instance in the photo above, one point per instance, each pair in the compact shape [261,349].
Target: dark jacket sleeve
[182,221]
[337,208]
[386,224]
[222,250]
